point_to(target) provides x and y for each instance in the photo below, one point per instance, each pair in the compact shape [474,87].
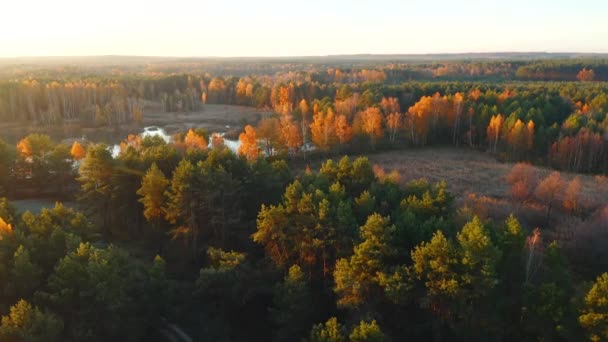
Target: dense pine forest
[309,229]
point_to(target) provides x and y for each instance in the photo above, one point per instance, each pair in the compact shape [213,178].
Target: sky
[298,28]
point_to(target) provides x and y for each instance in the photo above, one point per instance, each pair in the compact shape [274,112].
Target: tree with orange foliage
[533,251]
[474,94]
[343,129]
[249,144]
[520,191]
[523,180]
[137,113]
[393,124]
[521,138]
[587,151]
[217,141]
[217,91]
[530,135]
[23,148]
[493,131]
[131,141]
[506,94]
[458,105]
[371,124]
[323,130]
[78,152]
[419,118]
[471,133]
[304,123]
[516,137]
[303,106]
[290,134]
[35,145]
[586,75]
[35,154]
[439,106]
[5,229]
[195,141]
[548,190]
[390,105]
[391,177]
[281,98]
[347,106]
[572,195]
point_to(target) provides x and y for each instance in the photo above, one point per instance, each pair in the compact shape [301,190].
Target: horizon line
[312,56]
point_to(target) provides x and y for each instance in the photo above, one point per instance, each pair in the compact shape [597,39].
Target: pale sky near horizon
[289,28]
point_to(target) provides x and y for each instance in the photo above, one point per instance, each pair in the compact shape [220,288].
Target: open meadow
[470,171]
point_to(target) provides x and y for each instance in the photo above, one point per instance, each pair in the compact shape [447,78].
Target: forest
[310,230]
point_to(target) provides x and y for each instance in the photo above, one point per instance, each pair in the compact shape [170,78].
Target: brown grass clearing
[214,118]
[469,171]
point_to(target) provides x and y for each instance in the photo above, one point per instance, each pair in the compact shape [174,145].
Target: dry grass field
[478,183]
[471,171]
[214,118]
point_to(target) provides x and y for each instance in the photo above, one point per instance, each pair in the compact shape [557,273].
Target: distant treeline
[563,70]
[459,103]
[99,101]
[397,68]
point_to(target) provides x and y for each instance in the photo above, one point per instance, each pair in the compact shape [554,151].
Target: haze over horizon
[162,57]
[271,28]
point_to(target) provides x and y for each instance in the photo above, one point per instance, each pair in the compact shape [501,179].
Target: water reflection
[154,131]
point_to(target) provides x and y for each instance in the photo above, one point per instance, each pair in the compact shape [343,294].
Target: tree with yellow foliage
[493,130]
[217,91]
[249,144]
[594,314]
[323,129]
[393,123]
[357,278]
[521,138]
[419,119]
[269,133]
[290,134]
[152,191]
[371,124]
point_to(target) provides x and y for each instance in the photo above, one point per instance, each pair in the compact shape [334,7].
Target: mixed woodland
[298,236]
